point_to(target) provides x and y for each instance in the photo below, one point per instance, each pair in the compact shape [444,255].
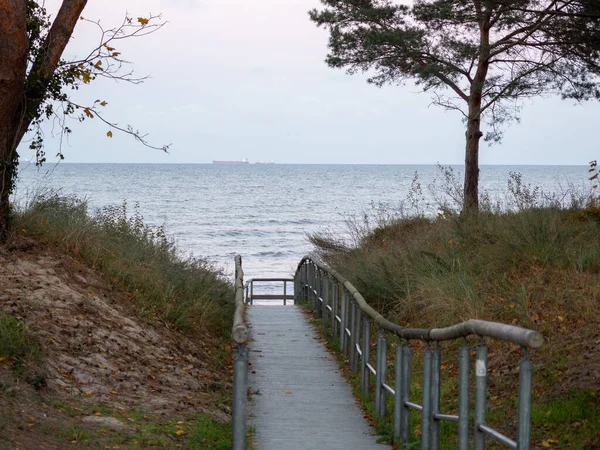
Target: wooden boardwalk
[302,401]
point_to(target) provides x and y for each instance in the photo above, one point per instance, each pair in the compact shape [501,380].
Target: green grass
[195,432]
[17,343]
[185,293]
[571,422]
[198,432]
[20,350]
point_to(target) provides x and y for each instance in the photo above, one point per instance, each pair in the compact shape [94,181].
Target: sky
[232,79]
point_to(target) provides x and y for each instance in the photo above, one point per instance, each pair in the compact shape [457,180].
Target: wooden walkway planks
[303,401]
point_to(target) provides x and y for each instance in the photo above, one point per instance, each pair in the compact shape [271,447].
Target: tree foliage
[478,57]
[37,83]
[49,97]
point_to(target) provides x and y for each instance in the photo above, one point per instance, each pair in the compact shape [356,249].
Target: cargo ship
[243,161]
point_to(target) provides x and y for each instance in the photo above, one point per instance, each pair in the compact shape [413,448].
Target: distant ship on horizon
[243,161]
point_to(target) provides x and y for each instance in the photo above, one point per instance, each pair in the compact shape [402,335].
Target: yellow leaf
[86,76]
[2,358]
[103,103]
[143,21]
[88,392]
[88,113]
[109,134]
[179,432]
[288,392]
[560,318]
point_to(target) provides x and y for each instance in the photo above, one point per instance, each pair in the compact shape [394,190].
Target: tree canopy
[478,57]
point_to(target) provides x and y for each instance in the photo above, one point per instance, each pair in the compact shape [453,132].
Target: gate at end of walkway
[269,291]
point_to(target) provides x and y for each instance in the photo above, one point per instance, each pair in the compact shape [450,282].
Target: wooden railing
[240,335]
[350,318]
[284,296]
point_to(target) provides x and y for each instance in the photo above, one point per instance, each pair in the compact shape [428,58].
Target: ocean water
[264,212]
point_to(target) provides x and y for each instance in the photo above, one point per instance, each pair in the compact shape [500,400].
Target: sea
[265,212]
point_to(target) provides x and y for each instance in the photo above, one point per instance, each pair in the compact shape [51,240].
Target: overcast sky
[233,79]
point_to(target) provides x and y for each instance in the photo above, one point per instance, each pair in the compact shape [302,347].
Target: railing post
[240,395]
[300,290]
[334,309]
[435,397]
[297,283]
[525,386]
[319,295]
[306,283]
[426,412]
[366,354]
[311,283]
[351,318]
[463,397]
[343,321]
[284,292]
[354,339]
[326,290]
[308,278]
[251,292]
[313,290]
[480,394]
[406,365]
[398,396]
[380,375]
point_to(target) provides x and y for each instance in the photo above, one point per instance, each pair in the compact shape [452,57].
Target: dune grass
[535,264]
[183,292]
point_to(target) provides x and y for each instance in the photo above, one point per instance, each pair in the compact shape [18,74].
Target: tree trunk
[13,69]
[473,134]
[471,186]
[21,94]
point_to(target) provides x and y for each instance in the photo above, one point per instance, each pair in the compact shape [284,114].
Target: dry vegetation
[108,338]
[537,267]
